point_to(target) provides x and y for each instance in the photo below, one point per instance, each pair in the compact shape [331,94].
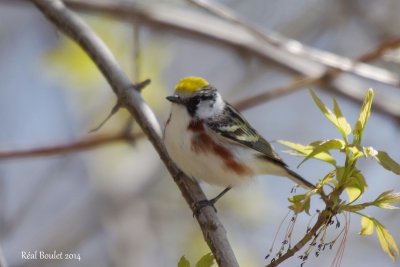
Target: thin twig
[275,93]
[66,21]
[322,219]
[84,144]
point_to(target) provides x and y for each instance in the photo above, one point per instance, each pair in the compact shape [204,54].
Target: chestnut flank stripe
[202,143]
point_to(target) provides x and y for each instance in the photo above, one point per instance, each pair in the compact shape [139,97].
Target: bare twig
[321,221]
[213,231]
[84,144]
[381,49]
[275,93]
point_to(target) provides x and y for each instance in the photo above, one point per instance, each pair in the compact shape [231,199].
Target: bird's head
[201,100]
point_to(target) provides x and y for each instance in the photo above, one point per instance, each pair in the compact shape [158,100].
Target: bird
[209,140]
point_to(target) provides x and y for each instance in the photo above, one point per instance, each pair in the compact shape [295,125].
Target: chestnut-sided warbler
[210,140]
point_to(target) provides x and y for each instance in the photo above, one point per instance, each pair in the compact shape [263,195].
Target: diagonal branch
[213,231]
[322,219]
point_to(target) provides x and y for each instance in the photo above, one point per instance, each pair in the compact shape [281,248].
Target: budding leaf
[302,150]
[300,203]
[206,261]
[367,226]
[343,125]
[363,117]
[356,186]
[387,198]
[388,245]
[183,262]
[387,242]
[387,162]
[324,146]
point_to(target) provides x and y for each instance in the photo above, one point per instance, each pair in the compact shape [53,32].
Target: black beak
[175,99]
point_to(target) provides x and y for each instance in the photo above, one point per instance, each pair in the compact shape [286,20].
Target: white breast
[204,166]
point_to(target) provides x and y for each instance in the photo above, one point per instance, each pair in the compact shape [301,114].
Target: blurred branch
[3,262]
[87,143]
[325,78]
[66,21]
[243,104]
[273,46]
[263,97]
[191,24]
[296,48]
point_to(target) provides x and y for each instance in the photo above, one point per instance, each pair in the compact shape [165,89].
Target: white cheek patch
[208,109]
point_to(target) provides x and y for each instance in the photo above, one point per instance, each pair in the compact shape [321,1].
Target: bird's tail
[299,180]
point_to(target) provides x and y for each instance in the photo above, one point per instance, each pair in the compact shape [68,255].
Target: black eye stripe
[207,94]
[207,97]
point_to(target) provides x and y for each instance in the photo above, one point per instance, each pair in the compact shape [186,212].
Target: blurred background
[107,196]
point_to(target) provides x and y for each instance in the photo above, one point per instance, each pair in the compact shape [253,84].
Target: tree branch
[83,144]
[321,221]
[273,46]
[296,48]
[213,231]
[326,78]
[191,23]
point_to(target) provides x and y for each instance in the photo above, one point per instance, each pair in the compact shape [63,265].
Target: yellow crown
[191,84]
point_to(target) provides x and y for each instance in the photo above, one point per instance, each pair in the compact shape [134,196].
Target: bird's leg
[204,203]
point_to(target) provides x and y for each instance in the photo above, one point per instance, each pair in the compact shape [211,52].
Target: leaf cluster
[346,177]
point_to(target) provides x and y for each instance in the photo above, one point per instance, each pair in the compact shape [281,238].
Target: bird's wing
[231,125]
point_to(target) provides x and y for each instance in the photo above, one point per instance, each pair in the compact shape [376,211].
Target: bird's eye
[195,101]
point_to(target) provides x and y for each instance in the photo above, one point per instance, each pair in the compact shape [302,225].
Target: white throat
[210,109]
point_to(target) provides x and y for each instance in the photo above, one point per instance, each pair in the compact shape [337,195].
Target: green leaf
[355,186]
[297,198]
[327,179]
[387,162]
[183,262]
[388,245]
[302,150]
[356,152]
[206,261]
[387,198]
[343,125]
[367,226]
[324,109]
[324,146]
[336,117]
[386,239]
[300,203]
[363,117]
